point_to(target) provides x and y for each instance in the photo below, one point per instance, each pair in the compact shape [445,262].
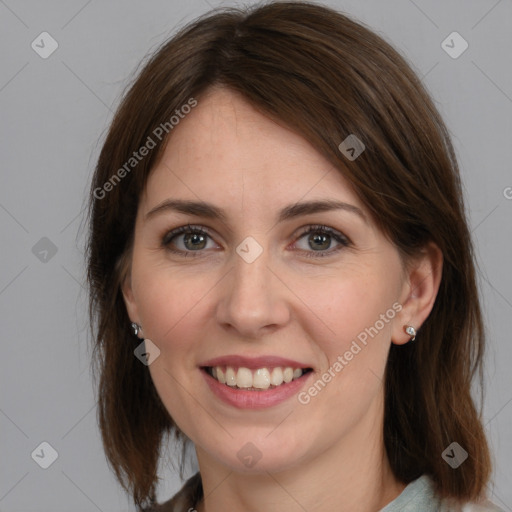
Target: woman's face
[269,284]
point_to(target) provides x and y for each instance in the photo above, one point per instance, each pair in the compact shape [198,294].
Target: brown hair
[326,76]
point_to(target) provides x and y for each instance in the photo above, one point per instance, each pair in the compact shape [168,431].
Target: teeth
[244,378]
[230,376]
[276,377]
[219,375]
[260,379]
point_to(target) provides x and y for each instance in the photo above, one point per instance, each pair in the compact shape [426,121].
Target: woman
[281,272]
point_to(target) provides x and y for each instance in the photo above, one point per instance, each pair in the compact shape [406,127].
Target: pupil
[195,238]
[320,239]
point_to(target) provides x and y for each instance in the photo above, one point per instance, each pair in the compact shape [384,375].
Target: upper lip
[253,362]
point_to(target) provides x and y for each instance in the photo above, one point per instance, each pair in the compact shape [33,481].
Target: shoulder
[420,495]
[483,506]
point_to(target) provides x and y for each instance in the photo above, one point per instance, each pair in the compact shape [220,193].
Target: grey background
[53,114]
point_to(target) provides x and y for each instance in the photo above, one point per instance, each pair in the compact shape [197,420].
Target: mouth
[255,379]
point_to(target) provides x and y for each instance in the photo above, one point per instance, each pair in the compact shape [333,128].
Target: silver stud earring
[411,331]
[136,328]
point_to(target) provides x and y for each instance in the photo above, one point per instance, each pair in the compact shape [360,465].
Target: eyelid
[169,235]
[325,229]
[342,239]
[173,233]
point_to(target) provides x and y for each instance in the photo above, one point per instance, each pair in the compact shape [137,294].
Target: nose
[253,299]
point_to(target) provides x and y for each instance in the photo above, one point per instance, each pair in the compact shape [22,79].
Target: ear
[127,291]
[423,277]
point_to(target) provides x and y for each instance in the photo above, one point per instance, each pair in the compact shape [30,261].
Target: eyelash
[317,228]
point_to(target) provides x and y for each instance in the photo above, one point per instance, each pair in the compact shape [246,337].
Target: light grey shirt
[418,496]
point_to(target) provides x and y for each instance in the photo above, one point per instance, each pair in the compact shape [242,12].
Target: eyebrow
[210,211]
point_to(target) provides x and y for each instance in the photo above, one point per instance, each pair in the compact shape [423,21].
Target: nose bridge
[251,277]
[251,300]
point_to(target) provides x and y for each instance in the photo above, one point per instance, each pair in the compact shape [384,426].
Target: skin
[328,454]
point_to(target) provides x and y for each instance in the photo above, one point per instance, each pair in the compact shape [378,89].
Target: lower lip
[255,399]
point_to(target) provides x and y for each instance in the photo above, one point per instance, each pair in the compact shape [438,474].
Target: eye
[187,239]
[320,238]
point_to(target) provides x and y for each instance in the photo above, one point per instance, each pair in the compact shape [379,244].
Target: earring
[136,328]
[411,331]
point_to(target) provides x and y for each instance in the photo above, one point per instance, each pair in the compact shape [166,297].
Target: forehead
[224,148]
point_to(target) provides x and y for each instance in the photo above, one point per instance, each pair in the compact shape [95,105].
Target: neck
[352,475]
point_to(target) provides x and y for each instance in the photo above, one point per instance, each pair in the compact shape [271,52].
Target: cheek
[355,304]
[173,306]
[353,337]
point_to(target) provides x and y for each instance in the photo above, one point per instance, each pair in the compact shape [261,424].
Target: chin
[258,457]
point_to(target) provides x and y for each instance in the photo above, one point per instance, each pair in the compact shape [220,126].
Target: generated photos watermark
[304,397]
[454,455]
[158,133]
[351,147]
[146,352]
[249,454]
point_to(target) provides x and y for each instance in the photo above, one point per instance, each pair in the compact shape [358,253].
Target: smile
[258,379]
